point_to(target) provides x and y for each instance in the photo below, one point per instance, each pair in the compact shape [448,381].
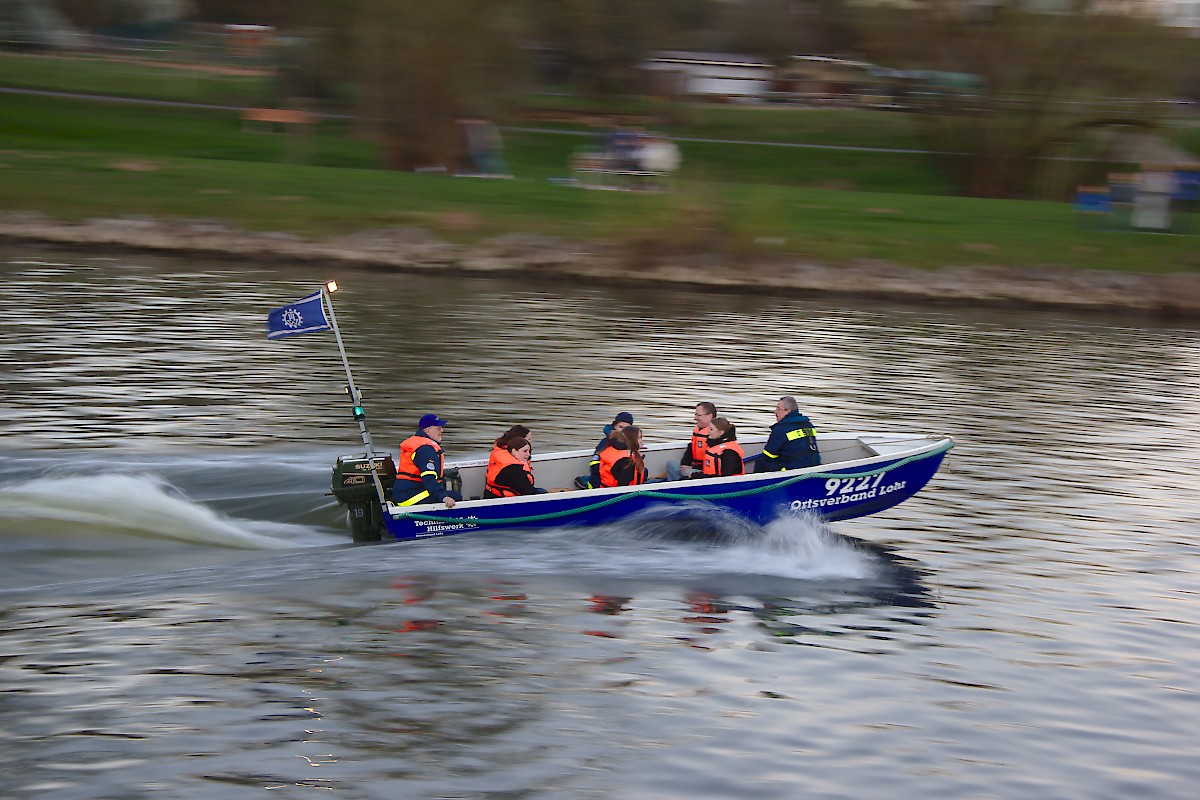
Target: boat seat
[885,447]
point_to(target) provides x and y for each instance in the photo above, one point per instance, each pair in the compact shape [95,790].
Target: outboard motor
[354,488]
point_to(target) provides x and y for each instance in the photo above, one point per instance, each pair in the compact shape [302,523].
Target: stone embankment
[415,250]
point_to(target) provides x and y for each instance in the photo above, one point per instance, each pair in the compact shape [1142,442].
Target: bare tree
[771,29]
[415,67]
[598,45]
[1000,85]
[601,43]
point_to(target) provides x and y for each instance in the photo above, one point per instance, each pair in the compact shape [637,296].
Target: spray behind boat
[360,482]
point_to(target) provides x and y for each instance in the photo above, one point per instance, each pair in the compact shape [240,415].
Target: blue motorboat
[860,474]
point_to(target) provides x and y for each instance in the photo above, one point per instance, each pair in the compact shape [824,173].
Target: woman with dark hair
[509,473]
[501,443]
[621,461]
[510,434]
[723,456]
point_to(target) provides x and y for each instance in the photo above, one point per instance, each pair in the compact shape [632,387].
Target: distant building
[249,40]
[678,73]
[828,80]
[30,24]
[1182,14]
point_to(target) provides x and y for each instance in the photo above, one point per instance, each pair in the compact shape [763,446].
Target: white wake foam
[141,505]
[794,548]
[800,547]
[789,547]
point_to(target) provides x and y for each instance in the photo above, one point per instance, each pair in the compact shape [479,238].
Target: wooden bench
[298,125]
[278,116]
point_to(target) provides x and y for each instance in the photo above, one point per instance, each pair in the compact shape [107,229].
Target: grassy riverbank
[76,159]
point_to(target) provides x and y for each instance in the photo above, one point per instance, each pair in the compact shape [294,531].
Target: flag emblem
[303,316]
[293,318]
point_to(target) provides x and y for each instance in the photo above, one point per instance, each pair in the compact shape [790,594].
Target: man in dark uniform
[792,443]
[419,470]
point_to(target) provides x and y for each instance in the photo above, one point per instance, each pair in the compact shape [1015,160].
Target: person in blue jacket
[619,423]
[792,443]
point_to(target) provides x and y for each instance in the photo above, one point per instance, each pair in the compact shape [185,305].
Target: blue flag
[302,316]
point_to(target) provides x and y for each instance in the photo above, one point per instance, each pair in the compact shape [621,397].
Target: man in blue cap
[619,423]
[419,470]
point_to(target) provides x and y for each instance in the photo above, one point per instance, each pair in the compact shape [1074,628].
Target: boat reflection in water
[803,576]
[795,580]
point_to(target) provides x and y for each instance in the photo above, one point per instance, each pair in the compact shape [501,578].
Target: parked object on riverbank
[484,148]
[862,474]
[630,160]
[1160,199]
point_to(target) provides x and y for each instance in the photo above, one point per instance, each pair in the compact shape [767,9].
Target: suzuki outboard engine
[354,488]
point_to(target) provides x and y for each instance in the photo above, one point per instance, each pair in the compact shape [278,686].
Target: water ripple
[176,622]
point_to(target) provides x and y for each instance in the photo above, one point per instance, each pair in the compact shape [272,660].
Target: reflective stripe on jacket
[792,444]
[408,471]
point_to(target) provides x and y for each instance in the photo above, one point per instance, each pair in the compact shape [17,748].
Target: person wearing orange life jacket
[724,456]
[693,456]
[621,461]
[510,474]
[592,480]
[419,468]
[501,444]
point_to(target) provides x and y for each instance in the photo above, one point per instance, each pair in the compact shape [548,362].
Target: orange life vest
[712,459]
[406,467]
[502,457]
[609,457]
[495,454]
[699,445]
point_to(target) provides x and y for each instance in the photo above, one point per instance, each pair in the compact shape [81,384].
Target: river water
[182,615]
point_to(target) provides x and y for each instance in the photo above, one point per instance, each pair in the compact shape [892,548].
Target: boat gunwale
[934,443]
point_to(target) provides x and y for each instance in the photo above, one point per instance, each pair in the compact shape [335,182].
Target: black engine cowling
[354,487]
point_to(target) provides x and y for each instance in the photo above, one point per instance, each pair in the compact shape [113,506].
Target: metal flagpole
[355,396]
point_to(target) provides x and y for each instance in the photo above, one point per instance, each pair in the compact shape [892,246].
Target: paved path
[554,131]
